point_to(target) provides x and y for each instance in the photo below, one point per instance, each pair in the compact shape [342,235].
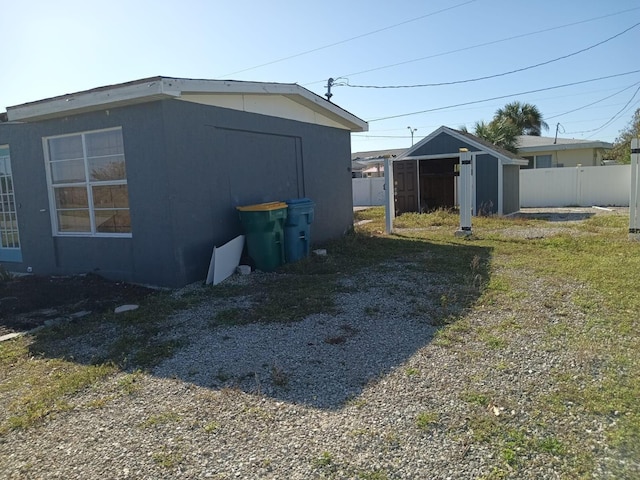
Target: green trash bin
[263,226]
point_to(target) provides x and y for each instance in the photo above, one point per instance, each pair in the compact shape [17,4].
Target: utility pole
[412,130]
[555,140]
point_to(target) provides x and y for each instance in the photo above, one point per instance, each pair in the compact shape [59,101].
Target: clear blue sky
[52,48]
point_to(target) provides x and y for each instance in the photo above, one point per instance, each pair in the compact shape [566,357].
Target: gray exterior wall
[486,184]
[188,166]
[511,189]
[442,144]
[486,169]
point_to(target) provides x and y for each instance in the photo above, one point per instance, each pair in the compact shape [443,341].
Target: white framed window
[539,161]
[9,237]
[87,182]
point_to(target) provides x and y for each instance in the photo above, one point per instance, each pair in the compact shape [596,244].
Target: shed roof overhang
[505,157]
[159,88]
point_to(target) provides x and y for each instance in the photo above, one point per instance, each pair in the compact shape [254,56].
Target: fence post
[634,200]
[466,202]
[389,203]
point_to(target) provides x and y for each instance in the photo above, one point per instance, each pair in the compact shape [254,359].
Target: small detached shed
[426,175]
[138,181]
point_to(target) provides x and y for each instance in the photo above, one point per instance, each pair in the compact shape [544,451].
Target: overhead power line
[485,44]
[486,77]
[503,96]
[592,103]
[351,38]
[612,119]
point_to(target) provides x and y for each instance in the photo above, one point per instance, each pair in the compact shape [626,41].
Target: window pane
[7,241]
[74,221]
[110,196]
[113,221]
[5,165]
[10,240]
[65,148]
[69,171]
[104,143]
[543,161]
[107,168]
[71,197]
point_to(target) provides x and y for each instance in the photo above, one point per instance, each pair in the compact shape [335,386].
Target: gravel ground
[337,396]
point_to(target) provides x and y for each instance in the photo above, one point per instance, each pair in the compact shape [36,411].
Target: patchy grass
[427,420]
[37,389]
[606,267]
[169,458]
[486,272]
[160,419]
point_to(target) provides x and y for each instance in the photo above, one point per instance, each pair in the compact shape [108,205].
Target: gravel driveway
[367,393]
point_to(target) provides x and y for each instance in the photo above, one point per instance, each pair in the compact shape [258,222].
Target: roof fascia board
[434,157]
[503,159]
[564,146]
[90,100]
[292,91]
[483,149]
[166,87]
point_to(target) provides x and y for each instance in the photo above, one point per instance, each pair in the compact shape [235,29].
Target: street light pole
[412,130]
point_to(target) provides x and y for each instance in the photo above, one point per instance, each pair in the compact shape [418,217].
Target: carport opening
[438,184]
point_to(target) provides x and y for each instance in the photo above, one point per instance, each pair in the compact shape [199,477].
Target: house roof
[531,143]
[286,100]
[375,154]
[505,156]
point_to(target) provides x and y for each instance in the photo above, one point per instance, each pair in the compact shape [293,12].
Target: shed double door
[405,179]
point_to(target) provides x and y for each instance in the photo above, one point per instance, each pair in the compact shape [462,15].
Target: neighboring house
[547,152]
[426,175]
[371,163]
[138,181]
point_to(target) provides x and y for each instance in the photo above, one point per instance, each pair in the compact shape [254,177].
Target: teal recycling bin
[263,226]
[297,229]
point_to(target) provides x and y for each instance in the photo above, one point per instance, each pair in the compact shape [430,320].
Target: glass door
[9,237]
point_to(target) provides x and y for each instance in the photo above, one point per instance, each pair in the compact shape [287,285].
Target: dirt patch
[29,301]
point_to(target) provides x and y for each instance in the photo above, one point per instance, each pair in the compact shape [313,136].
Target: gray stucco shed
[193,150]
[425,175]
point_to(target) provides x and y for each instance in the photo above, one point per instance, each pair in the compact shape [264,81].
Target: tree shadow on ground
[315,333]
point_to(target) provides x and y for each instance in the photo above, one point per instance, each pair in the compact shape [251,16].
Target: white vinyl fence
[541,187]
[575,186]
[368,191]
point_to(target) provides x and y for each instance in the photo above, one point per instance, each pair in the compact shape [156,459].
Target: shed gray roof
[372,154]
[507,157]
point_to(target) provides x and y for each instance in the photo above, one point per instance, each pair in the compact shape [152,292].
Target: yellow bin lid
[262,207]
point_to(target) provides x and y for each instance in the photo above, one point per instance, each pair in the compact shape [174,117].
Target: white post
[634,197]
[466,203]
[389,203]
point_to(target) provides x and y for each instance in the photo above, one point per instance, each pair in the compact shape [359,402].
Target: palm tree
[499,132]
[524,116]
